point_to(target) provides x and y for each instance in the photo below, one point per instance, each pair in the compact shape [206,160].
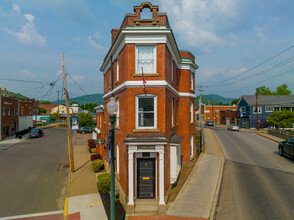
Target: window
[191,81]
[145,57]
[8,113]
[191,145]
[172,112]
[191,112]
[269,108]
[117,70]
[117,159]
[3,111]
[243,109]
[30,111]
[117,113]
[15,111]
[216,110]
[259,109]
[172,70]
[146,111]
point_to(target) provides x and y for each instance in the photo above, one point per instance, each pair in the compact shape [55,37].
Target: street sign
[74,123]
[99,141]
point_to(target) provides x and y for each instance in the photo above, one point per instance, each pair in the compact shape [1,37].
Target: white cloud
[261,36]
[28,73]
[28,33]
[94,44]
[79,78]
[16,7]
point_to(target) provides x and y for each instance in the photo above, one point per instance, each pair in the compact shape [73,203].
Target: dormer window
[146,58]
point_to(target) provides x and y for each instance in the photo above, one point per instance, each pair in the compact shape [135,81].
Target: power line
[19,80]
[254,67]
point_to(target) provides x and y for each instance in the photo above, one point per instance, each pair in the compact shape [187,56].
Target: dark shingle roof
[267,100]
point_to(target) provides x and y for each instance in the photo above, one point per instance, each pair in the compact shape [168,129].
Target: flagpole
[144,81]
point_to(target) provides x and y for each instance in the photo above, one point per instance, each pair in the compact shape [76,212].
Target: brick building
[221,114]
[16,115]
[155,132]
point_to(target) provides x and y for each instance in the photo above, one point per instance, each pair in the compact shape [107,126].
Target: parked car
[84,130]
[36,132]
[209,123]
[233,128]
[287,147]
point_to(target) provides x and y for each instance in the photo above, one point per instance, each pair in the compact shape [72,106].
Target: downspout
[111,73]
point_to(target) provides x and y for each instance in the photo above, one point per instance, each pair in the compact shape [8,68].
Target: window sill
[192,123]
[116,82]
[116,127]
[145,74]
[146,130]
[192,90]
[173,126]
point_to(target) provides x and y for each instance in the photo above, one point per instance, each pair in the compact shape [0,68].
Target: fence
[280,133]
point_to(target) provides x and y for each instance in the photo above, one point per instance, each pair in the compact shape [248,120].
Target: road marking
[31,215]
[94,203]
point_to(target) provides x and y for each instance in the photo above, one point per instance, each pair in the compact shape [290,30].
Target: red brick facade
[170,89]
[217,114]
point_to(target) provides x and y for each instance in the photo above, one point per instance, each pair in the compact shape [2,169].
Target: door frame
[154,174]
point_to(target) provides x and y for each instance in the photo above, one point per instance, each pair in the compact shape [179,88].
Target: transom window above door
[146,111]
[146,58]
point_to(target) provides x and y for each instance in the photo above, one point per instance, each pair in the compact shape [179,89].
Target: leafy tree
[262,90]
[282,90]
[45,102]
[53,117]
[88,106]
[283,118]
[42,110]
[235,102]
[74,102]
[86,119]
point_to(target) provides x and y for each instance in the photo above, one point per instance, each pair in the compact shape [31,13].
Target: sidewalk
[270,137]
[198,197]
[11,141]
[84,201]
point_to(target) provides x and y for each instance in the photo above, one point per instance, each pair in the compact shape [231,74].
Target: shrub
[97,165]
[95,157]
[91,143]
[104,182]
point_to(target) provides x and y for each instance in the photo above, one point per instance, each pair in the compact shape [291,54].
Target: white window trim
[191,146]
[191,81]
[117,70]
[117,159]
[172,112]
[155,57]
[155,110]
[191,112]
[269,107]
[172,70]
[241,109]
[117,113]
[259,109]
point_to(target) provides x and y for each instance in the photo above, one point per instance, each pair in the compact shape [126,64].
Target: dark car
[233,128]
[209,123]
[36,132]
[84,130]
[287,147]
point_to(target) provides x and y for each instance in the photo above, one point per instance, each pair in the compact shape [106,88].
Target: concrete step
[146,206]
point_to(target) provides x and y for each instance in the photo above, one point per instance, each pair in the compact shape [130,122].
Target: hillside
[215,99]
[94,98]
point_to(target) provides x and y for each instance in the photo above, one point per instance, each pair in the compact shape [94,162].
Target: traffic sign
[99,141]
[258,121]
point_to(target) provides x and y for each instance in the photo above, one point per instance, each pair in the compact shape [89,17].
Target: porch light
[112,106]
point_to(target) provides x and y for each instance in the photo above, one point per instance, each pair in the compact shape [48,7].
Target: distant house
[48,108]
[61,109]
[220,114]
[247,110]
[76,109]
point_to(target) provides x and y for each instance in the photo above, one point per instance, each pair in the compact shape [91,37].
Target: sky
[239,45]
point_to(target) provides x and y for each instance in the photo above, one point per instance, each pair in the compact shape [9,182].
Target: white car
[233,128]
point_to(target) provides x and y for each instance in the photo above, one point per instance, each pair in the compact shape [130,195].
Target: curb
[272,139]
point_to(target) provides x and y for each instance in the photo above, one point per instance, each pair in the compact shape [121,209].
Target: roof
[48,107]
[267,100]
[176,139]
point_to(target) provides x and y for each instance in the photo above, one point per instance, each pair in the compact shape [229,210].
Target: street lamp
[112,107]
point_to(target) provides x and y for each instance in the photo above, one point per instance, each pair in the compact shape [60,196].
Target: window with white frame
[259,109]
[8,113]
[191,81]
[21,110]
[191,146]
[243,109]
[3,111]
[269,108]
[117,159]
[117,70]
[146,58]
[191,112]
[172,70]
[117,113]
[146,111]
[172,112]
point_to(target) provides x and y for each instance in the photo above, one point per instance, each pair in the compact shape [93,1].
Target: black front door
[146,178]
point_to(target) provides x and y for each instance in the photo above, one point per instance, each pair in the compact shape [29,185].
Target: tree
[88,106]
[85,119]
[284,119]
[74,102]
[262,90]
[42,110]
[45,102]
[282,90]
[53,117]
[234,101]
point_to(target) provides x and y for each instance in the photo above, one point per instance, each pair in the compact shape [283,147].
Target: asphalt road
[32,177]
[257,182]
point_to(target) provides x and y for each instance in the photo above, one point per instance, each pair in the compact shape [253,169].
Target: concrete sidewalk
[270,137]
[198,197]
[11,141]
[84,201]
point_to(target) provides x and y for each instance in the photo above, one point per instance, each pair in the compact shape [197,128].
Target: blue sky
[227,37]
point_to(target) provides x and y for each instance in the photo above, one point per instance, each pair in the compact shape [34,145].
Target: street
[32,176]
[257,182]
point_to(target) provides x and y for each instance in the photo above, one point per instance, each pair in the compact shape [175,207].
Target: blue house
[247,110]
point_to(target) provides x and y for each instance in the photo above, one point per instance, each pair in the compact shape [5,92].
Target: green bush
[104,182]
[97,165]
[92,150]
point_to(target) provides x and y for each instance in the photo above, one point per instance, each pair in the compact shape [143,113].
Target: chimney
[114,32]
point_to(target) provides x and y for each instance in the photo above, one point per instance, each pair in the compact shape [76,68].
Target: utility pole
[71,162]
[200,104]
[256,94]
[58,105]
